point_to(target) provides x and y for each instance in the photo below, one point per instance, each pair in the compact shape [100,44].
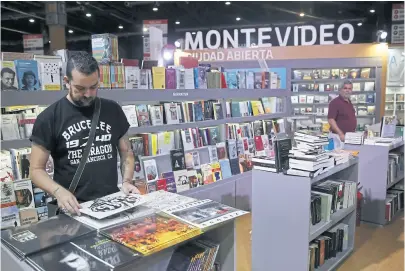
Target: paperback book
[111,205]
[204,213]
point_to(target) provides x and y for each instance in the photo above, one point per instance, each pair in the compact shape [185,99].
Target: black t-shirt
[63,129]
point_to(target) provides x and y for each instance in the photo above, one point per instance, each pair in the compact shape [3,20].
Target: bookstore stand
[373,169]
[281,230]
[224,234]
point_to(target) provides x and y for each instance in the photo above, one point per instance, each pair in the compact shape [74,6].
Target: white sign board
[395,71]
[147,24]
[397,12]
[397,33]
[33,44]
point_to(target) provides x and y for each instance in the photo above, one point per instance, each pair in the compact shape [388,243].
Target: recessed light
[120,27]
[177,44]
[192,33]
[372,10]
[143,36]
[145,29]
[49,41]
[302,14]
[70,31]
[360,24]
[31,20]
[88,14]
[227,3]
[238,18]
[177,22]
[155,9]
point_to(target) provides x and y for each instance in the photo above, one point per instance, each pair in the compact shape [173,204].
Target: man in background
[341,113]
[7,79]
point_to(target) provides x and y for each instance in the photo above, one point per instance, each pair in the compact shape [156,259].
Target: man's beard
[82,101]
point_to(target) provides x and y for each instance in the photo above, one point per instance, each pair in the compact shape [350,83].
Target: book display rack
[374,163]
[287,231]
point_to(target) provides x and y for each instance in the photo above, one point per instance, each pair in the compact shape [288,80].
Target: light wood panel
[376,249]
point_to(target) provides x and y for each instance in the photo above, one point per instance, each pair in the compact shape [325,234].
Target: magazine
[204,213]
[161,200]
[111,205]
[151,233]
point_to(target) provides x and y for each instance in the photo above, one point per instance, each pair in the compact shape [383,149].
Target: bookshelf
[287,231]
[373,169]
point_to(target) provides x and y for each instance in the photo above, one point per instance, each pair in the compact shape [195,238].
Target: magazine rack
[223,234]
[373,169]
[281,219]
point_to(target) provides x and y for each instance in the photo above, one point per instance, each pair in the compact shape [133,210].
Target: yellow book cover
[255,108]
[151,233]
[154,144]
[216,171]
[158,76]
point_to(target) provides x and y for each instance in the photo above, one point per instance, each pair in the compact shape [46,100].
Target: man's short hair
[83,62]
[347,82]
[7,70]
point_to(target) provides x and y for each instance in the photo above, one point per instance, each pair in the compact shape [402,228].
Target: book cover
[231,80]
[23,194]
[204,213]
[181,179]
[42,213]
[189,79]
[6,166]
[161,200]
[201,77]
[170,182]
[156,115]
[8,76]
[180,79]
[53,231]
[241,79]
[151,233]
[143,115]
[117,75]
[50,75]
[132,76]
[151,171]
[27,74]
[143,79]
[130,113]
[10,217]
[250,80]
[111,205]
[158,75]
[177,159]
[7,194]
[28,216]
[170,78]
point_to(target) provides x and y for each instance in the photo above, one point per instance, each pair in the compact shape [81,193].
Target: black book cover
[327,248]
[332,246]
[67,257]
[328,190]
[110,252]
[33,238]
[233,156]
[177,158]
[218,111]
[281,149]
[317,256]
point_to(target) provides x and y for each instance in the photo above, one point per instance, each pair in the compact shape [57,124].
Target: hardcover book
[204,213]
[28,239]
[111,205]
[152,233]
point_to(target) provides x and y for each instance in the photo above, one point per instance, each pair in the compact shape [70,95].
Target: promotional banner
[155,43]
[33,44]
[304,35]
[147,24]
[396,67]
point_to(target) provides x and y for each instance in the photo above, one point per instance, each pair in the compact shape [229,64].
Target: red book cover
[130,62]
[146,143]
[161,184]
[259,143]
[188,62]
[223,81]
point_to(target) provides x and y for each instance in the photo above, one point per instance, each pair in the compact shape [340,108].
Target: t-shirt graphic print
[64,129]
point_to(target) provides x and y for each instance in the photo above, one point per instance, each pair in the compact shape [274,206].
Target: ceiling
[193,15]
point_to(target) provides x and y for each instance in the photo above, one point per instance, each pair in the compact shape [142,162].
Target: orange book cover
[151,233]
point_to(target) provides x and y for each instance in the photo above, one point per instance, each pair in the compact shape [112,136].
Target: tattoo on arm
[127,159]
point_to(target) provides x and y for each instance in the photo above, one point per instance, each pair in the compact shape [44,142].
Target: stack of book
[356,138]
[309,158]
[341,156]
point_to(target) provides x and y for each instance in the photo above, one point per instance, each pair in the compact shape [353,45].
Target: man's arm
[41,179]
[336,129]
[127,161]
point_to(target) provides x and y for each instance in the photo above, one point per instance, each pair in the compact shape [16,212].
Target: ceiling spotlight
[372,10]
[155,9]
[143,36]
[70,31]
[167,55]
[381,35]
[88,14]
[177,22]
[238,18]
[193,33]
[302,14]
[227,3]
[120,27]
[49,41]
[145,29]
[177,44]
[31,20]
[360,24]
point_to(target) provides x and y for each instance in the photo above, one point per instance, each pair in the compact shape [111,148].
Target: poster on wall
[395,71]
[147,24]
[33,44]
[397,12]
[397,34]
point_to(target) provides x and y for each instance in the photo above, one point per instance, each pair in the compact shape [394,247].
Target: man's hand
[342,137]
[129,188]
[67,201]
